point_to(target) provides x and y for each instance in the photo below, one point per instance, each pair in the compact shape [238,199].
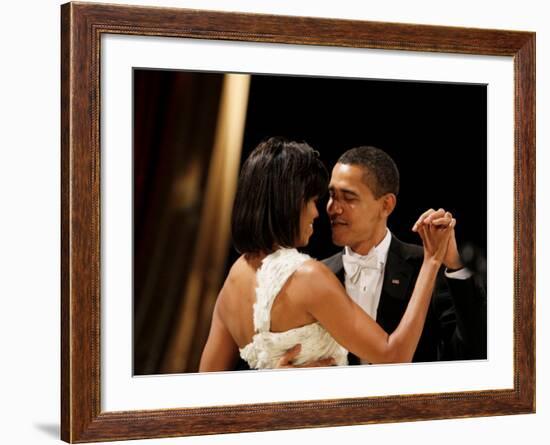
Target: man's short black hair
[380,172]
[276,180]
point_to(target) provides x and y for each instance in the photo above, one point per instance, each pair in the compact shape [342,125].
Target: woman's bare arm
[324,297]
[220,352]
[326,300]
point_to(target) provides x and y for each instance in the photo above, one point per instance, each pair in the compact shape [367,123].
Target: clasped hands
[441,219]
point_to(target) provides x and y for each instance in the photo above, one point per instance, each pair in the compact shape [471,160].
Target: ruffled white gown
[267,347]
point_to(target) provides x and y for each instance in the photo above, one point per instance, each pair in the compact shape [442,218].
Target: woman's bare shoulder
[313,269]
[313,278]
[240,277]
[240,269]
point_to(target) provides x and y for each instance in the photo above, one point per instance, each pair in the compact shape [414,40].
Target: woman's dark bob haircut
[276,180]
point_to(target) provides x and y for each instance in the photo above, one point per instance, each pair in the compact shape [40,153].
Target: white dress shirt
[364,275]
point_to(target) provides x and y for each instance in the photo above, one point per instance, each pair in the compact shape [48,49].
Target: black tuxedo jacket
[456,322]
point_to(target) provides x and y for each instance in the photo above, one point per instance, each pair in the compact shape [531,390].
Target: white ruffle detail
[267,347]
[275,270]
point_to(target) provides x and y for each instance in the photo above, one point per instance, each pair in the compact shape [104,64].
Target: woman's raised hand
[435,237]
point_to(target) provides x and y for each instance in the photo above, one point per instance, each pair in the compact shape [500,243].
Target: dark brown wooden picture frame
[82,25]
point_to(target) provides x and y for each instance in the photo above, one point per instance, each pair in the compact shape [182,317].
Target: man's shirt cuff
[460,274]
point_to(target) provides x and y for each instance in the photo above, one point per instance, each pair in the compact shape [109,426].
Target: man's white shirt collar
[380,250]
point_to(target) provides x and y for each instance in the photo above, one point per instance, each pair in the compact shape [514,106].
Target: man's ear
[389,200]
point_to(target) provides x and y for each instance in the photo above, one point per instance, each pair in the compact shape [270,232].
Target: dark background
[435,132]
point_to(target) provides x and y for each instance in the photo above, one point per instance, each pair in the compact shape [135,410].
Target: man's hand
[442,219]
[286,360]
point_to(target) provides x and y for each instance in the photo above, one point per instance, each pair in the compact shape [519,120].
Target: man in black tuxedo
[379,271]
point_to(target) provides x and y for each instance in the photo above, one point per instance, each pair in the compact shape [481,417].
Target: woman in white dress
[275,297]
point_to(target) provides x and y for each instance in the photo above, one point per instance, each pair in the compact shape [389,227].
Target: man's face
[358,219]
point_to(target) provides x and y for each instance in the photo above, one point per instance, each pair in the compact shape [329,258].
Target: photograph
[224,164]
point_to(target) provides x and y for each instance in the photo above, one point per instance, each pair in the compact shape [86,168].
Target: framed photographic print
[160,108]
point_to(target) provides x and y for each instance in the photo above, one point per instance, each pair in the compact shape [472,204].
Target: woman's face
[309,213]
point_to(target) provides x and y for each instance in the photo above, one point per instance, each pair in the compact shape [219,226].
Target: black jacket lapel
[397,272]
[397,286]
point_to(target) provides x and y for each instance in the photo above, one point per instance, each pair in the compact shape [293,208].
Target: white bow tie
[355,265]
